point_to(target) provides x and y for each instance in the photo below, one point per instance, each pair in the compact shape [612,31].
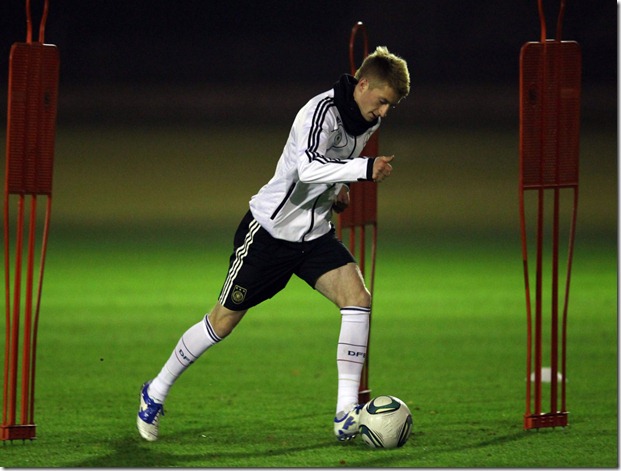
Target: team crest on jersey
[338,138]
[239,294]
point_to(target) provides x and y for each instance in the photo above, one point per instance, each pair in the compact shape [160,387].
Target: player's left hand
[342,200]
[382,168]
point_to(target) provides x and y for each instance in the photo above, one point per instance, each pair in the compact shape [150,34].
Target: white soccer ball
[385,422]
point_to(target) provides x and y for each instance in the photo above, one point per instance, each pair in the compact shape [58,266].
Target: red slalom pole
[31,130]
[550,88]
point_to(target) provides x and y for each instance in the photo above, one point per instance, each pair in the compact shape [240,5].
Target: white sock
[192,344]
[351,352]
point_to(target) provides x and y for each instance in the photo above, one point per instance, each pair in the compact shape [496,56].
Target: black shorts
[261,265]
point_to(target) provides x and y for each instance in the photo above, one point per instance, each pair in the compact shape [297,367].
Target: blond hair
[385,68]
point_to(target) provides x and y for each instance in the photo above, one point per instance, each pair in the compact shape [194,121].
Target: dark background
[234,60]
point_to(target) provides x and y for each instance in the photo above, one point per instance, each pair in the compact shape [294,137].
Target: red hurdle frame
[31,130]
[550,86]
[360,216]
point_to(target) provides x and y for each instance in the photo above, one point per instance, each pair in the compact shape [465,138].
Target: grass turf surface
[448,329]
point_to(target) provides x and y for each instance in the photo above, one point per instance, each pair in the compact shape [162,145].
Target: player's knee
[365,299]
[222,326]
[224,320]
[361,298]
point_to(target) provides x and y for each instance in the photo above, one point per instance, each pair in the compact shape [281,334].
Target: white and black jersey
[320,155]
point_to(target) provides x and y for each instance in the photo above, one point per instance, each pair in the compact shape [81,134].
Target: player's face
[374,101]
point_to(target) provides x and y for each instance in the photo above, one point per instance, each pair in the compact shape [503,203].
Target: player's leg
[345,287]
[224,320]
[255,274]
[198,338]
[195,341]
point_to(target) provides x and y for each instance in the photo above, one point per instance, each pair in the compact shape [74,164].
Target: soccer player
[288,230]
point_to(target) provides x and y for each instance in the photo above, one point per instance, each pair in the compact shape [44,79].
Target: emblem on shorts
[239,294]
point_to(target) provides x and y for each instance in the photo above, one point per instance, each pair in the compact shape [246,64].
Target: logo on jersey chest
[339,138]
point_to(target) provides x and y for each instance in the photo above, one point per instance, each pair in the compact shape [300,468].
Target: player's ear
[363,84]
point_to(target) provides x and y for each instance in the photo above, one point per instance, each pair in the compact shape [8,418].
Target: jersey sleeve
[314,130]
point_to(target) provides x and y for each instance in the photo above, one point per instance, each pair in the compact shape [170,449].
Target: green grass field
[141,235]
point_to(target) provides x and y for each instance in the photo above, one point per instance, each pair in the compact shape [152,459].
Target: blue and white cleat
[346,423]
[148,420]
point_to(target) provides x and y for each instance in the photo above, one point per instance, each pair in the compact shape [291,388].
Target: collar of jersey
[353,121]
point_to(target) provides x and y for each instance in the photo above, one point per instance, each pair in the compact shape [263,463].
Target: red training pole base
[18,432]
[550,419]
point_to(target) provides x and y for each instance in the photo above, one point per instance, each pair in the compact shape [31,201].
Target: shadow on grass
[132,452]
[431,454]
[136,453]
[502,440]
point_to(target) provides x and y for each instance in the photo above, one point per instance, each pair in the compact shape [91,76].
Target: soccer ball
[385,422]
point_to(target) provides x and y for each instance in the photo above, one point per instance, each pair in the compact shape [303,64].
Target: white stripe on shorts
[240,254]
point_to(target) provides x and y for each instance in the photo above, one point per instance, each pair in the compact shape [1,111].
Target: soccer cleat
[148,420]
[346,423]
